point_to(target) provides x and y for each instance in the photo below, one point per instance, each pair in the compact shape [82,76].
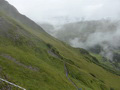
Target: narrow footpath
[65,68]
[12,84]
[67,72]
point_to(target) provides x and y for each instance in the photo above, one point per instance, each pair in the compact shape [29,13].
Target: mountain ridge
[13,12]
[25,61]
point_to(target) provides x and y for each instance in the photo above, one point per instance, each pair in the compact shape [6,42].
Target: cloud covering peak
[53,10]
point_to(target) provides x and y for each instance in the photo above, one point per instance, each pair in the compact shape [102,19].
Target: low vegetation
[27,48]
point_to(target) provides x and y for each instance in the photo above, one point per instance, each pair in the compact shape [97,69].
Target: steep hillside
[13,13]
[31,58]
[97,36]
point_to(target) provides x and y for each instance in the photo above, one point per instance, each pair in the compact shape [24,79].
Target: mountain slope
[98,36]
[31,58]
[13,13]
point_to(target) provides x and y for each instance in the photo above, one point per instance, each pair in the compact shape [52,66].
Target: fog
[99,36]
[89,24]
[62,11]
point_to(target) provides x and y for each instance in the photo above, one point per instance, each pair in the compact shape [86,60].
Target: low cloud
[101,36]
[55,11]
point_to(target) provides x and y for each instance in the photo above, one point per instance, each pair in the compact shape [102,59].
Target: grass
[30,48]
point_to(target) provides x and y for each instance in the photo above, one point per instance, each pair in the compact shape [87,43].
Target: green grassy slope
[25,61]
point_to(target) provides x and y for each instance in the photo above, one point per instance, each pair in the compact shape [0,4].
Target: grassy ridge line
[107,65]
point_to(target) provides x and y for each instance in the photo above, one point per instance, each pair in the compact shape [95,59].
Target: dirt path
[65,68]
[12,84]
[67,72]
[19,63]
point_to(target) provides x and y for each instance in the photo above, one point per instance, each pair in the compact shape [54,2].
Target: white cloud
[45,10]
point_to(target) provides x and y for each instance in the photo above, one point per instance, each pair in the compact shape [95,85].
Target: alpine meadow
[33,59]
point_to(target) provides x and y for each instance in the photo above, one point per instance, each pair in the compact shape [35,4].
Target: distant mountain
[49,28]
[34,60]
[98,36]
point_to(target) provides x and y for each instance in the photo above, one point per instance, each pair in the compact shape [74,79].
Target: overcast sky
[56,10]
